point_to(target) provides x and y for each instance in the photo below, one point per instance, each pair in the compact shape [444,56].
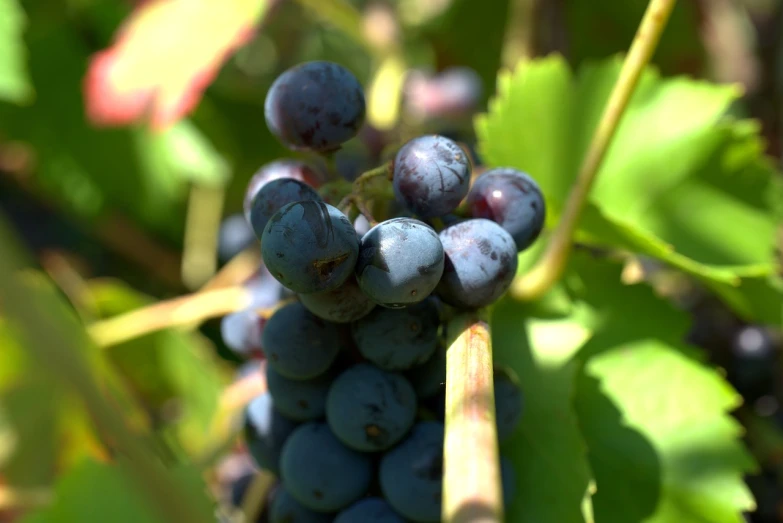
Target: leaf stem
[550,266]
[471,468]
[188,310]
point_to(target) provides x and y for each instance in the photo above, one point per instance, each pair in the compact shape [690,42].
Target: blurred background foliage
[129,131]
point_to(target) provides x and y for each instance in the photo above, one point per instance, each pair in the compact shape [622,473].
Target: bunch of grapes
[352,422]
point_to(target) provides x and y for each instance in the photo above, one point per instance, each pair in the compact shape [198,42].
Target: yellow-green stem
[471,470]
[549,268]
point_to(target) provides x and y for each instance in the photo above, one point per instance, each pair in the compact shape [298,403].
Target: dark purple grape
[511,199]
[370,409]
[300,400]
[398,339]
[400,262]
[411,473]
[344,304]
[234,236]
[320,472]
[481,262]
[454,92]
[298,344]
[428,377]
[508,481]
[431,175]
[266,431]
[273,196]
[286,509]
[293,169]
[369,510]
[241,332]
[310,246]
[508,402]
[315,106]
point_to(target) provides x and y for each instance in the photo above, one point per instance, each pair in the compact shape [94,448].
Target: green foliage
[161,369]
[14,84]
[693,213]
[95,491]
[616,401]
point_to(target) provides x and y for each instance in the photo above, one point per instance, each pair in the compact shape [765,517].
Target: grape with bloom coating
[315,106]
[320,472]
[344,304]
[411,473]
[286,509]
[310,246]
[508,402]
[513,200]
[400,262]
[369,510]
[273,196]
[300,400]
[293,169]
[266,432]
[397,339]
[299,345]
[431,175]
[370,409]
[481,261]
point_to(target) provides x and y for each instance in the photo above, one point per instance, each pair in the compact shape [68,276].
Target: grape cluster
[352,421]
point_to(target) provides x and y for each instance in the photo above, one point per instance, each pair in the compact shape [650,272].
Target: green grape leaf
[132,172]
[680,182]
[622,421]
[547,450]
[99,492]
[654,415]
[14,82]
[161,368]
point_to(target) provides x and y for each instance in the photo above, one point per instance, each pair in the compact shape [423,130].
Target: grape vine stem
[551,265]
[185,311]
[471,468]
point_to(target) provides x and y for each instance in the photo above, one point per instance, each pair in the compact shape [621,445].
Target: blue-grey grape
[370,409]
[286,509]
[397,339]
[322,473]
[400,262]
[300,400]
[298,344]
[369,510]
[428,378]
[293,169]
[315,106]
[241,332]
[310,246]
[431,175]
[266,431]
[273,196]
[513,200]
[508,481]
[411,474]
[481,261]
[344,304]
[508,402]
[234,236]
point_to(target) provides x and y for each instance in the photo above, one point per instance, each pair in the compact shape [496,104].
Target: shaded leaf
[162,368]
[655,416]
[95,492]
[129,171]
[547,450]
[164,57]
[14,82]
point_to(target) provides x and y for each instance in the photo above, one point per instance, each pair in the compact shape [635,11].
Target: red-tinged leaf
[163,58]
